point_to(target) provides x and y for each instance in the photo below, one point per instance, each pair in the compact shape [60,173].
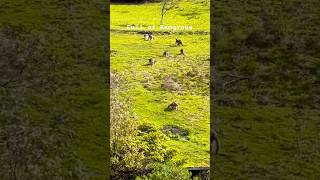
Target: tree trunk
[161,22]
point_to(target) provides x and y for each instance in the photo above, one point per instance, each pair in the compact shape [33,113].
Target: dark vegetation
[134,1]
[34,143]
[53,123]
[267,88]
[167,171]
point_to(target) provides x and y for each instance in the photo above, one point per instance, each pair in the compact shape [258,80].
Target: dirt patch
[175,132]
[146,128]
[170,84]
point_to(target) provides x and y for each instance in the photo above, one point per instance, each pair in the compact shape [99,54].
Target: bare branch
[166,6]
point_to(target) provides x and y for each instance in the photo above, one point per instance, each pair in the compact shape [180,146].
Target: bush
[167,171]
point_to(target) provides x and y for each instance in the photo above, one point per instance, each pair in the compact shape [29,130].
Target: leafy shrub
[167,171]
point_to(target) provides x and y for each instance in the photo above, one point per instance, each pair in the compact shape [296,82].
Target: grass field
[268,124]
[79,88]
[130,53]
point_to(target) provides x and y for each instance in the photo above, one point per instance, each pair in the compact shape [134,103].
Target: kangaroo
[179,42]
[152,61]
[148,36]
[173,106]
[182,52]
[166,54]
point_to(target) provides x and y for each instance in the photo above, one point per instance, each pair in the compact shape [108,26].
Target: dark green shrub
[167,171]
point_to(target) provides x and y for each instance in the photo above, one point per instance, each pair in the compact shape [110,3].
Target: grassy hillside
[267,89]
[67,85]
[130,54]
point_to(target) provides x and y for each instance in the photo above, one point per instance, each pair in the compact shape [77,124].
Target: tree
[166,6]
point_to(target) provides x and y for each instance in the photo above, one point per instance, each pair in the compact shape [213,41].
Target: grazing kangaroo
[173,106]
[179,42]
[214,142]
[148,37]
[166,54]
[152,61]
[182,52]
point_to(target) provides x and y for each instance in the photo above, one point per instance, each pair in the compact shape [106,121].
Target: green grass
[272,43]
[74,33]
[191,13]
[130,53]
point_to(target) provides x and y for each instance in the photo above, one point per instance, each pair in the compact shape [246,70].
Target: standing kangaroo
[179,42]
